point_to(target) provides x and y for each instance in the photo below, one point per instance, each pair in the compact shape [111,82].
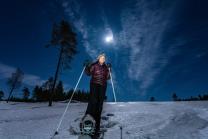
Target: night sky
[159,46]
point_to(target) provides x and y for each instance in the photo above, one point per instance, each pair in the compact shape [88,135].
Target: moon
[108,38]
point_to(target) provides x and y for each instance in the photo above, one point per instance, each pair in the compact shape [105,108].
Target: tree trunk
[10,93]
[56,77]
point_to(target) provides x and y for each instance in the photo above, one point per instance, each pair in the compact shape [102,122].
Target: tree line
[42,93]
[191,98]
[174,97]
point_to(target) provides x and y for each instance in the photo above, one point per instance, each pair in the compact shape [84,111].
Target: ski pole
[112,86]
[56,132]
[121,131]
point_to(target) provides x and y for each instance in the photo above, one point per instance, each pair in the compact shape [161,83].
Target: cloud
[90,34]
[29,79]
[73,11]
[5,71]
[141,40]
[144,25]
[32,80]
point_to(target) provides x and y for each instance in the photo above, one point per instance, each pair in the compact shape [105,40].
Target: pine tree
[59,92]
[63,38]
[26,93]
[175,97]
[1,95]
[152,98]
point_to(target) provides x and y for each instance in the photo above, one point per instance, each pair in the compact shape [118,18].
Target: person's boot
[96,135]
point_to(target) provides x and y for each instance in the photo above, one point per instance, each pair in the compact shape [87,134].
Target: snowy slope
[140,120]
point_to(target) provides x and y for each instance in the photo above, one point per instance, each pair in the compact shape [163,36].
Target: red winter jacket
[100,73]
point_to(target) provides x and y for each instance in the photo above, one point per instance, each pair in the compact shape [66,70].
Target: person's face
[101,59]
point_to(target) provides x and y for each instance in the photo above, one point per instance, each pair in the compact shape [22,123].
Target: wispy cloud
[29,79]
[72,9]
[90,34]
[144,24]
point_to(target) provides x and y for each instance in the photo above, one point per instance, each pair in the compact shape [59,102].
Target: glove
[108,65]
[87,63]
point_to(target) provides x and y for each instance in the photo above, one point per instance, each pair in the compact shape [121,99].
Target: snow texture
[139,120]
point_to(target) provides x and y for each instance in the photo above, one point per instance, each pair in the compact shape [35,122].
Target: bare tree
[63,38]
[15,81]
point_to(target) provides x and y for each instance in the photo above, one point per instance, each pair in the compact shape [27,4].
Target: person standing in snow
[100,73]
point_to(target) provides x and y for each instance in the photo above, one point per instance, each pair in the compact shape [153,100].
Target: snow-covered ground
[140,120]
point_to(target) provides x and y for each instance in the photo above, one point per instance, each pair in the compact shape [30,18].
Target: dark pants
[95,104]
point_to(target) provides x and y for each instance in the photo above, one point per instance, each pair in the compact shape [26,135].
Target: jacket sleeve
[89,70]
